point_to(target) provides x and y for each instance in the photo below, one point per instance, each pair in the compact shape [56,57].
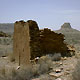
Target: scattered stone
[57,70]
[56,75]
[61,63]
[65,58]
[58,79]
[18,67]
[61,68]
[66,73]
[36,59]
[5,57]
[36,79]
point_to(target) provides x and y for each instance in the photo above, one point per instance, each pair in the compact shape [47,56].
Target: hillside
[71,35]
[7,27]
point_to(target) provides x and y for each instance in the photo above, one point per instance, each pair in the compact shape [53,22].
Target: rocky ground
[61,70]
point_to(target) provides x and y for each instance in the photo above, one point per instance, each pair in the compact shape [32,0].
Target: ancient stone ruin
[21,43]
[34,39]
[52,42]
[30,42]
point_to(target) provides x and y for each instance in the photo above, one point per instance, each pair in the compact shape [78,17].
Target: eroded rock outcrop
[66,25]
[71,34]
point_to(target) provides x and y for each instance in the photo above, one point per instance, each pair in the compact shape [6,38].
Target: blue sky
[47,13]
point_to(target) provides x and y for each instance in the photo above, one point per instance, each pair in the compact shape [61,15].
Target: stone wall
[52,42]
[30,41]
[34,39]
[21,45]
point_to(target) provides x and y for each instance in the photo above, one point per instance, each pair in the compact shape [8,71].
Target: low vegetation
[42,66]
[76,73]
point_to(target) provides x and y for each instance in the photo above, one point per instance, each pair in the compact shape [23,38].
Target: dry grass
[22,74]
[76,73]
[11,57]
[26,73]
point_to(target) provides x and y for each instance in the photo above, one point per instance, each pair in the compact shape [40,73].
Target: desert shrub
[56,57]
[6,40]
[3,73]
[46,77]
[45,64]
[76,73]
[35,70]
[22,74]
[11,57]
[2,70]
[31,71]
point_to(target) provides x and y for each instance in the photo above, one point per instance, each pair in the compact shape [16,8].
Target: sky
[47,13]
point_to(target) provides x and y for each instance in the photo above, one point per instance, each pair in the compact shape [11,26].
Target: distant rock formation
[71,35]
[66,25]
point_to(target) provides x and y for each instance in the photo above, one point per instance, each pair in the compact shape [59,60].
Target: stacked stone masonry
[30,42]
[52,42]
[21,43]
[34,39]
